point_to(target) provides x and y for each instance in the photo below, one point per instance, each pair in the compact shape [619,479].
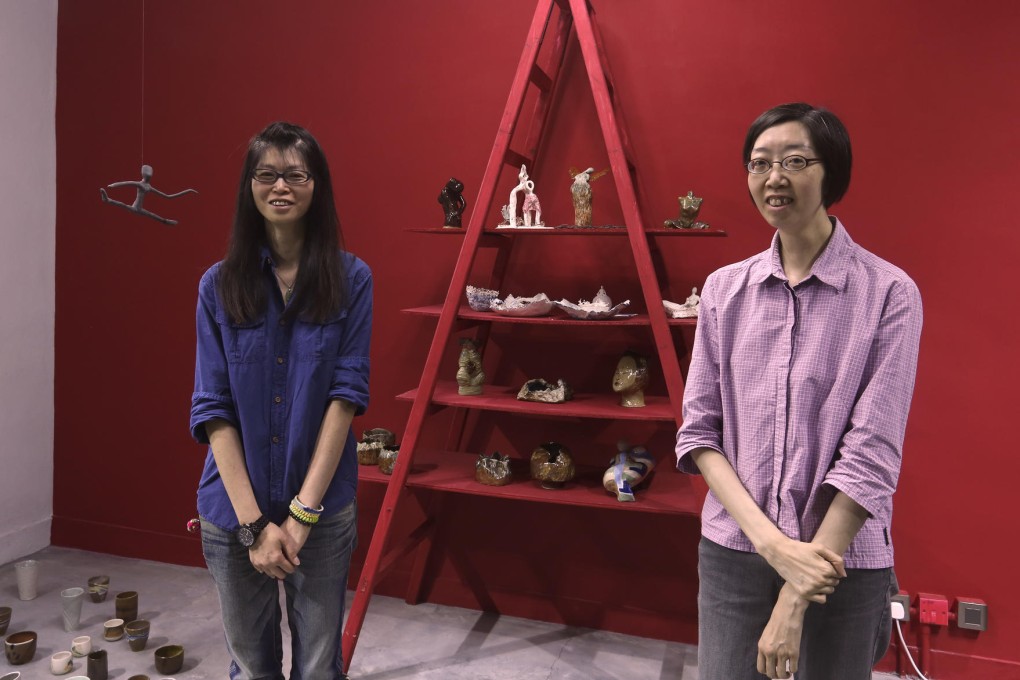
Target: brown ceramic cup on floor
[99,586]
[169,659]
[137,634]
[96,665]
[127,605]
[113,630]
[20,647]
[5,619]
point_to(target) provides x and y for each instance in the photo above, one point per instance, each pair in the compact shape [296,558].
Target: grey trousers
[842,639]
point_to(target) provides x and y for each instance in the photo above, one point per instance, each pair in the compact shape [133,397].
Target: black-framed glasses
[759,166]
[267,176]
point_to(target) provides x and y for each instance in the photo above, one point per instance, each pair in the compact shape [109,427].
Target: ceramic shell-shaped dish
[479,299]
[543,391]
[600,307]
[538,305]
[678,311]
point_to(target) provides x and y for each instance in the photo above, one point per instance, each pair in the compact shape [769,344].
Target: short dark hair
[829,138]
[319,291]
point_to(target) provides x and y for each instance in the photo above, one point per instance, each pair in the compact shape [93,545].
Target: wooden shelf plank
[666,491]
[570,230]
[466,312]
[504,399]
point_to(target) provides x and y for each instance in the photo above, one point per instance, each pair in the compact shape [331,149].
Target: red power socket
[932,609]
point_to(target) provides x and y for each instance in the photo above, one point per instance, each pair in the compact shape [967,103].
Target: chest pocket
[243,343]
[320,342]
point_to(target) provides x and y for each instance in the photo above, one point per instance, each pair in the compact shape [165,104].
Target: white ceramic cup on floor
[81,646]
[60,663]
[28,579]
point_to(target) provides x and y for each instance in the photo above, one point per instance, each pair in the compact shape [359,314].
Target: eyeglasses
[759,166]
[267,176]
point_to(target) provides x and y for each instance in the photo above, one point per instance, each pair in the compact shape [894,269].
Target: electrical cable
[906,650]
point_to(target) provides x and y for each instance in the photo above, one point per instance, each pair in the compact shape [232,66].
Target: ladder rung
[516,159]
[540,78]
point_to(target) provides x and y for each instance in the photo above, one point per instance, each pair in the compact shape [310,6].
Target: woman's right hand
[811,569]
[269,554]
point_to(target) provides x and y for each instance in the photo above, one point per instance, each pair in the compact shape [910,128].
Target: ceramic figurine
[690,206]
[630,379]
[493,470]
[580,193]
[531,211]
[629,468]
[689,309]
[544,391]
[552,465]
[470,377]
[453,203]
[142,187]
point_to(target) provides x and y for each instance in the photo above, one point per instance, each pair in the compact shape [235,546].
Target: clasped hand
[811,569]
[275,553]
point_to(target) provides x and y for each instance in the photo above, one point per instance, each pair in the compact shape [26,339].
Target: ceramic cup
[113,630]
[169,659]
[127,605]
[81,646]
[99,586]
[28,579]
[71,600]
[60,663]
[74,677]
[13,675]
[96,667]
[5,619]
[139,677]
[20,647]
[137,634]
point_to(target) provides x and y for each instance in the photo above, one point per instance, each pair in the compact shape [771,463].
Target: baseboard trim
[24,540]
[113,539]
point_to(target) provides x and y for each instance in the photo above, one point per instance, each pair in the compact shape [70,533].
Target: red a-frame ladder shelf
[542,71]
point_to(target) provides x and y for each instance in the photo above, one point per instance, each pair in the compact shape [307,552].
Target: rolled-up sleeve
[868,463]
[212,398]
[702,407]
[350,375]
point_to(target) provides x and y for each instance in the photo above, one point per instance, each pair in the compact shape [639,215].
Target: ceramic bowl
[480,298]
[169,659]
[20,647]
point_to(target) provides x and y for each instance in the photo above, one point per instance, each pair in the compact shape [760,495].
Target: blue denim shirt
[273,381]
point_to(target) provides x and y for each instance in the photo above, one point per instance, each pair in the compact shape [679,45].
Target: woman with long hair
[283,326]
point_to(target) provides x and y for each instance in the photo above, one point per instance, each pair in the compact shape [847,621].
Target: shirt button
[279,360]
[276,439]
[282,322]
[277,400]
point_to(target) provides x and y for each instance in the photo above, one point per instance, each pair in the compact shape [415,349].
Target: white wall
[28,184]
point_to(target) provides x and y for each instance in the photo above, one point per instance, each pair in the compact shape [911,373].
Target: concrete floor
[398,641]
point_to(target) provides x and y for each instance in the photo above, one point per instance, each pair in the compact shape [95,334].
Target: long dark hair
[319,290]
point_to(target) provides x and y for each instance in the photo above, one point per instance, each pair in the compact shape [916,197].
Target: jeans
[842,639]
[315,594]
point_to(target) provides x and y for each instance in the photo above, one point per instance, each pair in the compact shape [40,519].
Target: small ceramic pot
[13,675]
[5,619]
[113,630]
[99,587]
[138,677]
[552,465]
[81,646]
[387,459]
[169,659]
[137,634]
[127,605]
[60,663]
[96,665]
[20,647]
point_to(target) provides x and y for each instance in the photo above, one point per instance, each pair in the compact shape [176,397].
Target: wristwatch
[247,534]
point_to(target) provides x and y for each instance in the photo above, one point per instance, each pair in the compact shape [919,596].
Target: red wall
[402,95]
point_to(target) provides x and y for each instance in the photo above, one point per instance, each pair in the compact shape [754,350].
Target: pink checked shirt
[805,390]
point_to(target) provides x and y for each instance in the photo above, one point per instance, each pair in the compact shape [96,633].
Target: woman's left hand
[779,645]
[298,533]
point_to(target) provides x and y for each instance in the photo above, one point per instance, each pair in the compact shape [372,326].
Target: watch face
[246,537]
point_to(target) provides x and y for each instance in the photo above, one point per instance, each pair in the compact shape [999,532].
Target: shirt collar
[830,267]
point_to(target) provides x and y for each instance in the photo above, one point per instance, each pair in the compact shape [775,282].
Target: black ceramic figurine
[453,203]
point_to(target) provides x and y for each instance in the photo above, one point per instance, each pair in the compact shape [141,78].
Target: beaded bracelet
[302,514]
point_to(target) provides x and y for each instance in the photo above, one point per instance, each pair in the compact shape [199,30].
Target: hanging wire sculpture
[142,188]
